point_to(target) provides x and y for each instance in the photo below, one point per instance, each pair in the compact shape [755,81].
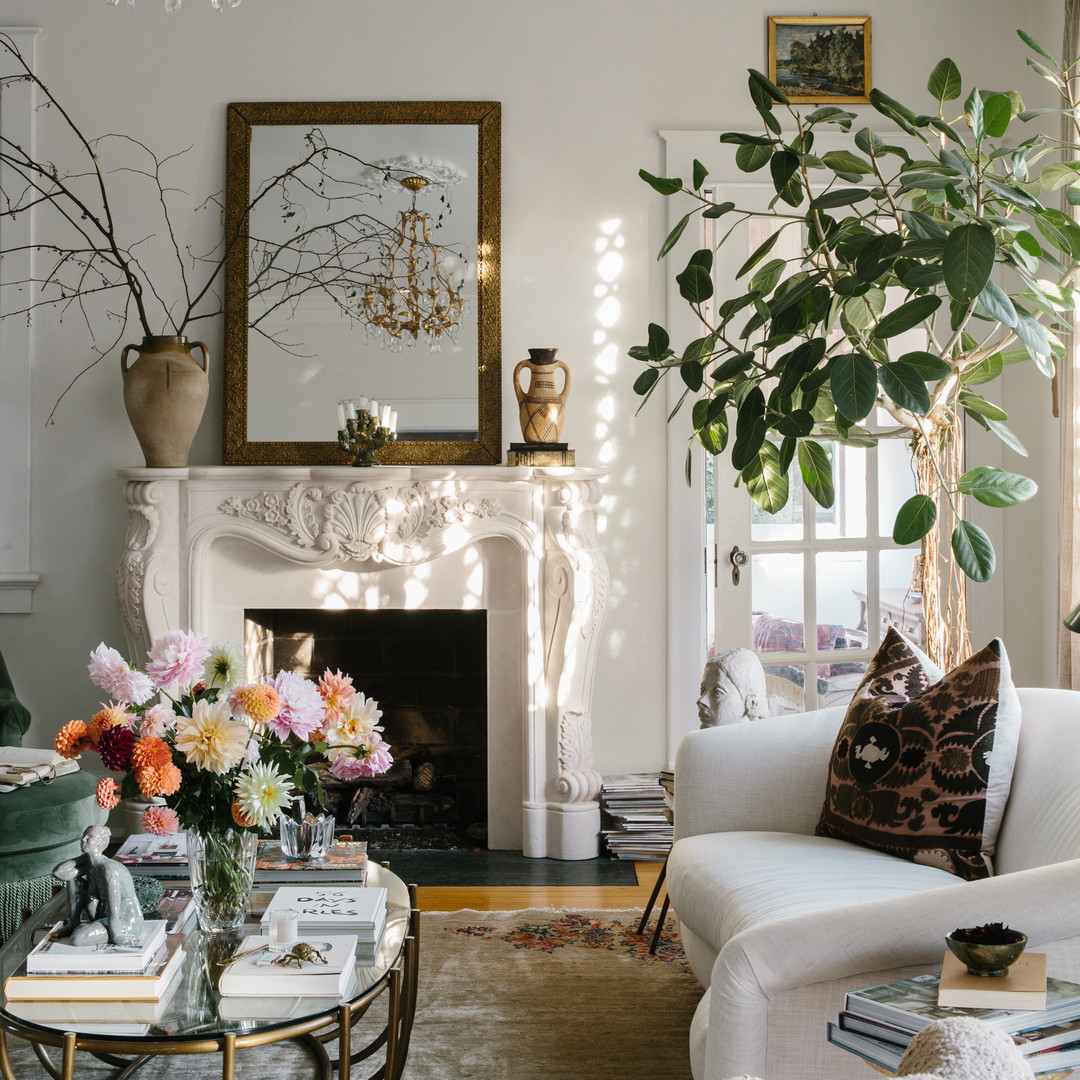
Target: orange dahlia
[258,702]
[168,779]
[110,716]
[72,739]
[240,817]
[108,793]
[150,750]
[157,780]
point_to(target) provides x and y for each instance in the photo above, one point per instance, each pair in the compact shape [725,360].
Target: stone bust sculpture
[732,689]
[102,903]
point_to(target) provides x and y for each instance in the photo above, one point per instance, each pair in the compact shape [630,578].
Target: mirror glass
[341,211]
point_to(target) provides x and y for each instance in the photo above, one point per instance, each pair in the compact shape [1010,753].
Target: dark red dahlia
[115,746]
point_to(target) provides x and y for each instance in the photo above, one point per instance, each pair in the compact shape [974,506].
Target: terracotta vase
[542,408]
[165,393]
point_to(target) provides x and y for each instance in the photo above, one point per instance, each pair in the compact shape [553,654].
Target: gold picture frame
[813,39]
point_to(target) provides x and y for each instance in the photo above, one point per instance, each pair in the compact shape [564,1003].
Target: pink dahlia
[370,760]
[115,745]
[108,793]
[160,820]
[157,720]
[177,658]
[336,691]
[302,710]
[109,670]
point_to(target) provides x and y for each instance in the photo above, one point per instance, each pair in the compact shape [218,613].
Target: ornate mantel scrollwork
[359,521]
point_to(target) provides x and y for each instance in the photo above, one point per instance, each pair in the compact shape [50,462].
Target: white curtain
[1068,400]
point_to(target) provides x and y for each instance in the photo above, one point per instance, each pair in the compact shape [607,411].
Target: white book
[22,765]
[262,974]
[328,908]
[53,955]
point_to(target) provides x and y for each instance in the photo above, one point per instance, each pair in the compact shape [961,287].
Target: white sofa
[778,924]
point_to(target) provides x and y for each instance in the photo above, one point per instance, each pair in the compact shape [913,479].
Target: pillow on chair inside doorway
[922,764]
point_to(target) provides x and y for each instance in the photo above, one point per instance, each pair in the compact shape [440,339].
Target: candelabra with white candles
[364,428]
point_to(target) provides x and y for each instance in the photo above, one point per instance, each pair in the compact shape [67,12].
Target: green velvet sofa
[40,825]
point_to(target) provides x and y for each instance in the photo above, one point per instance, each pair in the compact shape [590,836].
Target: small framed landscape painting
[821,58]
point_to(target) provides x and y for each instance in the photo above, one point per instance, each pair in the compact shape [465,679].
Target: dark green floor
[501,868]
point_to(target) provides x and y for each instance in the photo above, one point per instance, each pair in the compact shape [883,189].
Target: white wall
[585,86]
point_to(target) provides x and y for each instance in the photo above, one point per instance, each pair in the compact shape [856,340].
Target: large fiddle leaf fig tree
[961,242]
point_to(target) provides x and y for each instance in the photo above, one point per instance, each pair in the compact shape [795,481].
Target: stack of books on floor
[1042,1015]
[636,822]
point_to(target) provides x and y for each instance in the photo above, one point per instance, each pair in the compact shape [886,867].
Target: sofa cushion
[922,770]
[724,883]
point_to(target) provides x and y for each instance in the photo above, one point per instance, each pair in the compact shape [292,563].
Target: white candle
[341,416]
[393,420]
[284,928]
[385,418]
[350,411]
[362,404]
[374,409]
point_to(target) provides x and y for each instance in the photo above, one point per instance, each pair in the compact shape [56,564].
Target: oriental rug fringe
[520,995]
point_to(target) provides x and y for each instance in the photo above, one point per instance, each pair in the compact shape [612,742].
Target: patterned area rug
[527,995]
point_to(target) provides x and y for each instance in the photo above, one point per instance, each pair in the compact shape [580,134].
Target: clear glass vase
[222,868]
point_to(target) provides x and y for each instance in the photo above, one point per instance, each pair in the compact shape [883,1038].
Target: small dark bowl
[991,961]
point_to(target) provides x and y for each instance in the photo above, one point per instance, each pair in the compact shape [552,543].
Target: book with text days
[332,909]
[259,975]
[53,954]
[83,986]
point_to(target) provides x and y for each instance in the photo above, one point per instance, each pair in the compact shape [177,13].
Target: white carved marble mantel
[203,544]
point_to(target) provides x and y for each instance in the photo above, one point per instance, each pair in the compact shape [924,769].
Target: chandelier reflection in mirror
[417,292]
[174,5]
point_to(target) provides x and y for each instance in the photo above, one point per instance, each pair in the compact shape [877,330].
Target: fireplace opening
[428,671]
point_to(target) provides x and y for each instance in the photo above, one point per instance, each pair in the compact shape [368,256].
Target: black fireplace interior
[428,671]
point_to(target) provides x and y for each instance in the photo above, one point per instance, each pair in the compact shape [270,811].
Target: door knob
[738,559]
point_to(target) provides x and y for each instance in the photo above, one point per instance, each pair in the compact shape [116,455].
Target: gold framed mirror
[335,206]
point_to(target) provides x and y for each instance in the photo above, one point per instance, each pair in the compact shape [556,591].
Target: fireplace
[519,546]
[428,672]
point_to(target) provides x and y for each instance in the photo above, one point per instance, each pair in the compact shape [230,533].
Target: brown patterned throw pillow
[910,769]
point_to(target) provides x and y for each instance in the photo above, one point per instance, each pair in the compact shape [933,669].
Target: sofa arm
[766,775]
[822,947]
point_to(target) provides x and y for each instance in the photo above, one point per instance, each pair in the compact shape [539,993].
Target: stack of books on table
[56,971]
[636,821]
[334,909]
[158,856]
[1042,1015]
[345,861]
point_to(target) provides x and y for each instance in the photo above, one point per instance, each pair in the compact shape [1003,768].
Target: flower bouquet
[220,756]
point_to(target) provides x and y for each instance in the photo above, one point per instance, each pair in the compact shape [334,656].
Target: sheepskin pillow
[921,769]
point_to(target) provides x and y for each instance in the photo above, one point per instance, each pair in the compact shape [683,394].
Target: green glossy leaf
[995,302]
[1013,194]
[929,366]
[766,479]
[816,469]
[945,83]
[853,380]
[923,226]
[997,113]
[1033,335]
[758,253]
[974,109]
[695,284]
[907,316]
[659,342]
[768,276]
[700,174]
[985,371]
[753,156]
[769,86]
[693,374]
[662,184]
[996,487]
[839,197]
[718,210]
[646,381]
[793,290]
[968,261]
[975,405]
[673,237]
[1059,173]
[1007,436]
[1045,73]
[890,107]
[973,551]
[1060,231]
[1031,43]
[830,114]
[731,367]
[749,439]
[784,168]
[876,255]
[844,161]
[914,519]
[905,386]
[796,424]
[864,310]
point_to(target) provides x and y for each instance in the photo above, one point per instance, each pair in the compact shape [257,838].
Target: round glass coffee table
[194,1019]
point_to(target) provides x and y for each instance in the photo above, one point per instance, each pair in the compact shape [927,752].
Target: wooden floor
[495,898]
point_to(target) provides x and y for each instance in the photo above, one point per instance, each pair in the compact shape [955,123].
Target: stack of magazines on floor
[878,1022]
[636,821]
[118,989]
